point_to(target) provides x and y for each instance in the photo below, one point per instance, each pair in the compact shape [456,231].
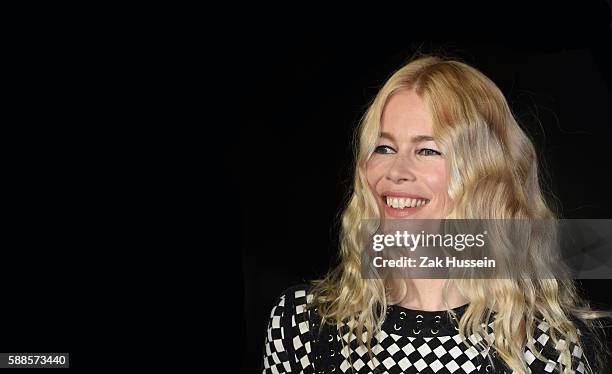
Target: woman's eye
[428,152]
[384,149]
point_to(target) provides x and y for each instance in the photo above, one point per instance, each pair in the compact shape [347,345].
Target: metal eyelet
[457,322]
[332,367]
[438,319]
[419,316]
[332,353]
[487,368]
[331,338]
[415,331]
[436,331]
[402,315]
[395,327]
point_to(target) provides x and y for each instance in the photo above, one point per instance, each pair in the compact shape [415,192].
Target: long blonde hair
[490,157]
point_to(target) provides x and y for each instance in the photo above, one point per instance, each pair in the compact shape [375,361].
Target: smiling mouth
[404,203]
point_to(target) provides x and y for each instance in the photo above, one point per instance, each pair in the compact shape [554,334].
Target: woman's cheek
[437,182]
[374,171]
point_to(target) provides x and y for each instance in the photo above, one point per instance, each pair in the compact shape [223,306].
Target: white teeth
[401,203]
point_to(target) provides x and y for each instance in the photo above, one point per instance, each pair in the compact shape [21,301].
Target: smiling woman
[438,142]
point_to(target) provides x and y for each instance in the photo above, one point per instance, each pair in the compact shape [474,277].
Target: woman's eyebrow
[415,139]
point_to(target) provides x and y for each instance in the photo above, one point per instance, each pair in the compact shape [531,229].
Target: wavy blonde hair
[488,156]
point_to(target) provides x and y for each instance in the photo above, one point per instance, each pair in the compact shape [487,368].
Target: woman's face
[407,171]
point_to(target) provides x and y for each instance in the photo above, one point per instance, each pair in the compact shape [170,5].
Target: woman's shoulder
[293,300]
[589,340]
[288,334]
[581,351]
[290,310]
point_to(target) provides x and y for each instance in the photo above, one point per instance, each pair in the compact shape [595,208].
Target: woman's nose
[401,170]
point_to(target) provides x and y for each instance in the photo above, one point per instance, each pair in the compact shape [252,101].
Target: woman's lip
[399,213]
[402,194]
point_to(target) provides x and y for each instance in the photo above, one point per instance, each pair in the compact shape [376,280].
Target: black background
[302,90]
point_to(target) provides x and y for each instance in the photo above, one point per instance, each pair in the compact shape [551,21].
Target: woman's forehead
[405,115]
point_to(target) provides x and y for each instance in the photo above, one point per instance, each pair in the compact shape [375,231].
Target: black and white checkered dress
[411,341]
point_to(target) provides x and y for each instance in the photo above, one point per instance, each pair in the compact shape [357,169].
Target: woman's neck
[427,295]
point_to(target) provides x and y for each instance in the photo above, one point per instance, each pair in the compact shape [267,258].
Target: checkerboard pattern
[402,354]
[543,343]
[290,348]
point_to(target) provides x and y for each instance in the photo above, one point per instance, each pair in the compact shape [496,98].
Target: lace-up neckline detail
[421,323]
